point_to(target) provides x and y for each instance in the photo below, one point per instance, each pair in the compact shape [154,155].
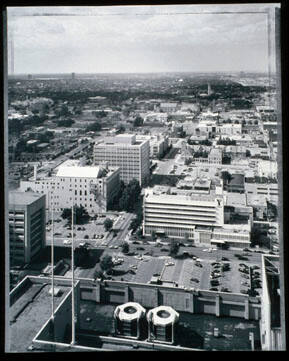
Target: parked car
[225,289]
[245,292]
[194,280]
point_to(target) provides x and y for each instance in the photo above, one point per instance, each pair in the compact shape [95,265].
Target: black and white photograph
[143,178]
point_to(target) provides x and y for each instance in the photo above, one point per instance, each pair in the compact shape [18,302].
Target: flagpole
[72,278]
[52,255]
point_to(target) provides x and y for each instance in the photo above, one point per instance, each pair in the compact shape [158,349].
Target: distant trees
[226,141]
[101,114]
[94,127]
[138,122]
[65,123]
[81,215]
[201,154]
[108,223]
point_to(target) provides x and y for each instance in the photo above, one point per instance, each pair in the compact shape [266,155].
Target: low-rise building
[175,212]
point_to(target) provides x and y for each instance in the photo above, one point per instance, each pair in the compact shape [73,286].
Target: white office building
[132,156]
[175,213]
[90,186]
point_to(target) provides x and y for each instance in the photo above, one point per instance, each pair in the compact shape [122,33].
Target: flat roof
[23,198]
[76,171]
[236,199]
[237,179]
[34,306]
[192,330]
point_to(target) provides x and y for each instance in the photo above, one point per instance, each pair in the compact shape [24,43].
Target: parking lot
[200,273]
[93,230]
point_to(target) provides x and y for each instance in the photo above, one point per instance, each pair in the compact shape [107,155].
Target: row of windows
[177,206]
[179,210]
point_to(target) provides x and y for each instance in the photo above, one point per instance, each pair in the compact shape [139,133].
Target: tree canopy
[106,263]
[81,215]
[108,223]
[174,248]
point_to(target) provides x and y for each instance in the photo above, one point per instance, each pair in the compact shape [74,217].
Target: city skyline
[140,39]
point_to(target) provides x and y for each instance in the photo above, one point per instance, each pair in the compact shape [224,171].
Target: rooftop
[23,198]
[76,171]
[194,331]
[171,193]
[29,313]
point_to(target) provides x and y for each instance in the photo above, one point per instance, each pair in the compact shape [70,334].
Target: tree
[108,224]
[153,235]
[248,153]
[226,176]
[65,123]
[81,256]
[80,214]
[94,127]
[174,248]
[138,122]
[106,263]
[98,274]
[125,247]
[130,196]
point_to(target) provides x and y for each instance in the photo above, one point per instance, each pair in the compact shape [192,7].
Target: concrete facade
[26,226]
[125,152]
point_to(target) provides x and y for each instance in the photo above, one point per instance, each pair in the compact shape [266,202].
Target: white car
[67,241]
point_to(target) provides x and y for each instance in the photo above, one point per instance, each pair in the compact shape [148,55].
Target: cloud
[141,36]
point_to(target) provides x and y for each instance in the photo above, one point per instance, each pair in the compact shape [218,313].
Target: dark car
[243,258]
[213,289]
[225,289]
[140,248]
[194,280]
[164,250]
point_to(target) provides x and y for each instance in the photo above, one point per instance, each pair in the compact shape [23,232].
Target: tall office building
[127,153]
[26,226]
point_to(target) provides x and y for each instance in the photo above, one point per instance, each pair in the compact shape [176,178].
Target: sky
[127,39]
